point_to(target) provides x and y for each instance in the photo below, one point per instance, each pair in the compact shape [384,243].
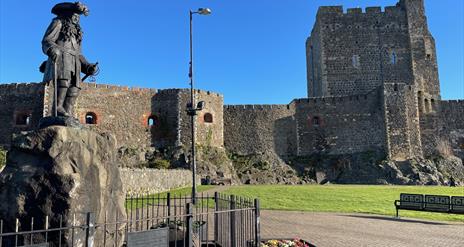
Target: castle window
[429,56]
[90,118]
[208,118]
[393,58]
[426,103]
[152,121]
[395,87]
[23,119]
[355,61]
[316,121]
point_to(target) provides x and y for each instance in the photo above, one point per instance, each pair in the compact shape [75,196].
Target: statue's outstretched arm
[86,67]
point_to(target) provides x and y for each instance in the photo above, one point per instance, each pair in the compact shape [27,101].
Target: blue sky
[253,52]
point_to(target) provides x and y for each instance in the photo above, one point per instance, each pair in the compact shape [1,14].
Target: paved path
[336,229]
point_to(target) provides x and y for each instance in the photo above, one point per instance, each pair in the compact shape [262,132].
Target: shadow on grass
[390,218]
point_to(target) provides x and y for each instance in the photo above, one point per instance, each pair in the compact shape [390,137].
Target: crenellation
[354,11]
[21,88]
[259,107]
[373,10]
[330,10]
[393,10]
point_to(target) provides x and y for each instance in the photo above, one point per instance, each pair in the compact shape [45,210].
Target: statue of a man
[62,44]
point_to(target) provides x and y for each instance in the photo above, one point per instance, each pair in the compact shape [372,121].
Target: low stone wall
[137,181]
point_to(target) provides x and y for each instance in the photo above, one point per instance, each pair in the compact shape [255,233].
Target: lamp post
[192,108]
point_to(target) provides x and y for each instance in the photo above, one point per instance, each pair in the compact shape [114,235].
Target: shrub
[159,164]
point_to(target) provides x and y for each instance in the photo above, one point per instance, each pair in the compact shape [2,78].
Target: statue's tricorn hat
[68,8]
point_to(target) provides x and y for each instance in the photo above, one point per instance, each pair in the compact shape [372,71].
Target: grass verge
[371,199]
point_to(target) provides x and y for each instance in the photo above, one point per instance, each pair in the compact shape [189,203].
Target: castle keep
[372,86]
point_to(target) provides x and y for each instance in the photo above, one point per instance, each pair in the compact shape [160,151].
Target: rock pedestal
[63,173]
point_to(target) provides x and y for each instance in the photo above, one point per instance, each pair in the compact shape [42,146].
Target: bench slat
[411,201]
[437,203]
[457,204]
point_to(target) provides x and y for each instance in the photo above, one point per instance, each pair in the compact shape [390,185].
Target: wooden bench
[430,203]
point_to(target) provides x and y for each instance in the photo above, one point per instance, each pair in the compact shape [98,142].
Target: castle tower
[356,52]
[423,56]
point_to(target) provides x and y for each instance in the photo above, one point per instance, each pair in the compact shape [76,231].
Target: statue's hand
[93,68]
[54,54]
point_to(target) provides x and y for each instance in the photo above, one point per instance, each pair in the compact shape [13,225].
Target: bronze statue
[62,44]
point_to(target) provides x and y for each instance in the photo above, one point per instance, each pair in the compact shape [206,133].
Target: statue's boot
[71,97]
[62,92]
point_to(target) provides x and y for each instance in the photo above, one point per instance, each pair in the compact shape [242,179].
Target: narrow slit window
[355,61]
[152,121]
[316,121]
[393,58]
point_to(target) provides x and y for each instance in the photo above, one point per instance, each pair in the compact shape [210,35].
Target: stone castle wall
[209,129]
[340,125]
[254,129]
[452,116]
[19,102]
[442,130]
[143,181]
[166,111]
[423,52]
[402,121]
[122,111]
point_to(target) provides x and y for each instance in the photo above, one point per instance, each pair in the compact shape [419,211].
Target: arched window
[152,121]
[395,87]
[316,121]
[90,118]
[208,118]
[23,119]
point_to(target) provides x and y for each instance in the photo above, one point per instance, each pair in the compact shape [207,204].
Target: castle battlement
[21,88]
[258,107]
[338,10]
[458,104]
[174,91]
[339,98]
[91,85]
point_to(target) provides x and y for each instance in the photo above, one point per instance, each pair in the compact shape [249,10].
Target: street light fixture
[191,107]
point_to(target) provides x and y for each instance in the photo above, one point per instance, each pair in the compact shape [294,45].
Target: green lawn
[372,199]
[153,198]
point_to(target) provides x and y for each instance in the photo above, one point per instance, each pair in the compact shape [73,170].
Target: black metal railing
[161,220]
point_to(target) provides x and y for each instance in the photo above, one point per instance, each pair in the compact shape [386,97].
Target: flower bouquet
[286,243]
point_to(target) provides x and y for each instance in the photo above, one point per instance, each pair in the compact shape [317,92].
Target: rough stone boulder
[62,172]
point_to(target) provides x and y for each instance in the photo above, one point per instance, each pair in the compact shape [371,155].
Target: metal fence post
[168,204]
[216,217]
[189,214]
[88,231]
[257,224]
[233,240]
